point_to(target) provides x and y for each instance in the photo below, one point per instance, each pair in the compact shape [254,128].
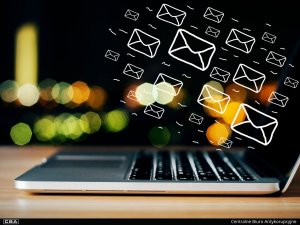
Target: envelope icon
[131,95]
[276,59]
[194,118]
[133,71]
[249,78]
[213,14]
[257,126]
[154,111]
[278,99]
[213,99]
[192,50]
[112,55]
[269,37]
[168,84]
[132,15]
[143,43]
[212,31]
[171,15]
[291,82]
[219,74]
[225,142]
[240,41]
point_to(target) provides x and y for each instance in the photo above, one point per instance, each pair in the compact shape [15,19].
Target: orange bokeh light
[236,92]
[230,112]
[266,91]
[131,101]
[97,97]
[81,92]
[217,131]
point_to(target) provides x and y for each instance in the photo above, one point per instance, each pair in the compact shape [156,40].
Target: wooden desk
[17,204]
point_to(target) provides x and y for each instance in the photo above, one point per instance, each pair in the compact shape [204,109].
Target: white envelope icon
[168,84]
[154,111]
[192,50]
[132,15]
[249,78]
[143,43]
[239,40]
[290,82]
[276,59]
[194,118]
[171,15]
[133,71]
[257,126]
[269,37]
[278,99]
[219,74]
[213,99]
[225,142]
[213,14]
[212,31]
[110,54]
[131,95]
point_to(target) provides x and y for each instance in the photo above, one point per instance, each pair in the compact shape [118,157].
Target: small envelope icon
[239,40]
[276,59]
[143,43]
[212,31]
[171,15]
[219,74]
[291,82]
[225,142]
[213,99]
[278,99]
[192,50]
[168,84]
[269,37]
[213,14]
[131,95]
[133,71]
[154,111]
[257,126]
[112,55]
[132,15]
[194,118]
[249,78]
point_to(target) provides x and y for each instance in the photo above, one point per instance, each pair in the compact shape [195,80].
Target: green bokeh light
[159,137]
[116,120]
[21,134]
[44,129]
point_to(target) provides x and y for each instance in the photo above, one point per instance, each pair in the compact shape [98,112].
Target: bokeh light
[9,91]
[46,89]
[146,94]
[167,95]
[97,97]
[44,129]
[21,134]
[266,91]
[159,136]
[90,122]
[81,92]
[216,131]
[236,93]
[130,96]
[28,94]
[62,92]
[230,113]
[116,120]
[182,97]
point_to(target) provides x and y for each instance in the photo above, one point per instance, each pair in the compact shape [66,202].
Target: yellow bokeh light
[28,94]
[230,113]
[21,134]
[216,131]
[44,129]
[81,92]
[116,120]
[146,94]
[90,122]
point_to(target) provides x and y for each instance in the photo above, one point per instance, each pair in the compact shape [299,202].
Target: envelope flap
[173,11]
[143,37]
[196,44]
[258,119]
[220,72]
[243,38]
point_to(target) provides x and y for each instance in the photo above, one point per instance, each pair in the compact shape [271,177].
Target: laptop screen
[152,73]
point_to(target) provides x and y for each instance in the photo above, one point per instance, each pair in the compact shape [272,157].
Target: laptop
[259,153]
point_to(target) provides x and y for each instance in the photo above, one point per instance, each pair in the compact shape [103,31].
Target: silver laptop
[256,164]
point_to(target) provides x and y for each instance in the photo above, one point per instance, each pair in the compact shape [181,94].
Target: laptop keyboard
[188,166]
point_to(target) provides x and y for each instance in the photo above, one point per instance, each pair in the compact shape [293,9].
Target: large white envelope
[192,50]
[219,74]
[276,59]
[278,99]
[194,118]
[133,71]
[171,15]
[132,15]
[239,40]
[213,14]
[257,126]
[143,43]
[212,32]
[168,84]
[269,37]
[249,78]
[290,82]
[112,55]
[213,99]
[225,142]
[154,111]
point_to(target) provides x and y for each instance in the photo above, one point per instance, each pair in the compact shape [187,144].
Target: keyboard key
[163,169]
[143,167]
[183,168]
[203,169]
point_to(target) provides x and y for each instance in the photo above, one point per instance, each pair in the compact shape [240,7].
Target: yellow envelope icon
[212,31]
[219,74]
[291,82]
[213,99]
[240,41]
[225,142]
[192,50]
[257,126]
[110,54]
[276,59]
[249,78]
[154,111]
[278,99]
[171,15]
[269,37]
[168,84]
[213,14]
[194,118]
[132,15]
[133,71]
[143,43]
